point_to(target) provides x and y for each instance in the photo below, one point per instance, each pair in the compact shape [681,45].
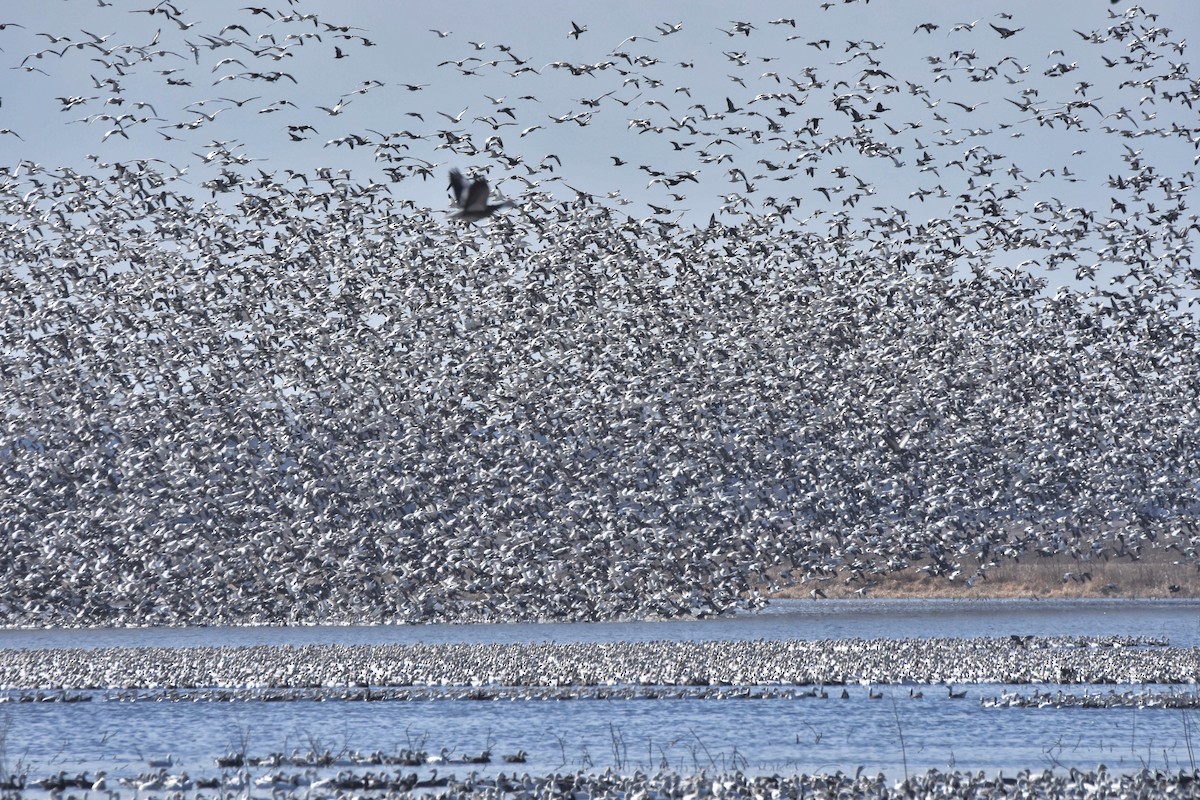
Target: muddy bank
[1155,575]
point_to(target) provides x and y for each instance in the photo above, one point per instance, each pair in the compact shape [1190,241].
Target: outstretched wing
[477,196]
[458,185]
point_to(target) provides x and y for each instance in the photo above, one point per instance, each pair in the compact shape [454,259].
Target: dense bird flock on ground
[661,784]
[238,391]
[611,670]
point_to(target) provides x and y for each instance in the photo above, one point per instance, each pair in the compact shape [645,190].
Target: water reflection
[1176,620]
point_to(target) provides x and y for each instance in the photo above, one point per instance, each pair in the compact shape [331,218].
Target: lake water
[891,734]
[1176,620]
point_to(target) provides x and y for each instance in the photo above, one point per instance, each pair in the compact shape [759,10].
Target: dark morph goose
[472,198]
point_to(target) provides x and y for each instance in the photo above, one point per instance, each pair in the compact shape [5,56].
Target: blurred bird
[472,198]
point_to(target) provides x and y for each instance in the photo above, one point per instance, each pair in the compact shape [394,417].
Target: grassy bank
[1155,574]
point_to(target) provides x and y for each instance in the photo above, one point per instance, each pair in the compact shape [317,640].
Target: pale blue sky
[721,69]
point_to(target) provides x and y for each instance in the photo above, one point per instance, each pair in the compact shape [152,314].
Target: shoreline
[1157,575]
[665,783]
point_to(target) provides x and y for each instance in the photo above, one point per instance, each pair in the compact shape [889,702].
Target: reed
[711,761]
[562,746]
[1187,738]
[620,749]
[241,747]
[900,733]
[410,744]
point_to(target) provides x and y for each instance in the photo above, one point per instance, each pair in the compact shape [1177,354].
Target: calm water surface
[808,735]
[891,734]
[1176,620]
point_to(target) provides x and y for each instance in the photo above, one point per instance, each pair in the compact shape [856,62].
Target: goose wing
[458,185]
[477,196]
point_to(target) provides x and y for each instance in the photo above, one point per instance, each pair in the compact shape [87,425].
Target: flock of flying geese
[238,389]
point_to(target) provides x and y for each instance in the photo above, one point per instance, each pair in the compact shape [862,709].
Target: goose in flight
[472,198]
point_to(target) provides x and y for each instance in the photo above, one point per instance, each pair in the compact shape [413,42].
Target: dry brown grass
[1153,575]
